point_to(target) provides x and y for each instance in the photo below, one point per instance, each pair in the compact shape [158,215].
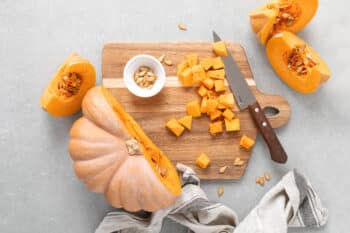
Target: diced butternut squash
[211,105]
[203,161]
[208,83]
[181,67]
[175,127]
[186,77]
[227,100]
[217,63]
[186,121]
[219,85]
[204,105]
[220,48]
[228,114]
[216,74]
[246,142]
[221,106]
[198,73]
[207,63]
[215,127]
[215,114]
[193,108]
[202,91]
[192,59]
[232,125]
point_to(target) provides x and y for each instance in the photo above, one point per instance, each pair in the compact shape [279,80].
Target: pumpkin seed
[222,169]
[168,62]
[145,77]
[267,176]
[220,191]
[182,26]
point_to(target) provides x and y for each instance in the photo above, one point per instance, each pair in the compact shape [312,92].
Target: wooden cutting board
[153,113]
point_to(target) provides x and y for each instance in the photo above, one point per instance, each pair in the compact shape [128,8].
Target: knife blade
[246,99]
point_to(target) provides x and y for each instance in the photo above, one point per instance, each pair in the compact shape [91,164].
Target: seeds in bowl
[145,77]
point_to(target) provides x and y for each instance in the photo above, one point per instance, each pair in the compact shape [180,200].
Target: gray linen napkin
[291,203]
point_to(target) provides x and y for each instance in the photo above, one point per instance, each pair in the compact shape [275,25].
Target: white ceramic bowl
[144,60]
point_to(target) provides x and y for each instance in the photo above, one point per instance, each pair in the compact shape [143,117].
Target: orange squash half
[67,88]
[281,15]
[114,156]
[296,62]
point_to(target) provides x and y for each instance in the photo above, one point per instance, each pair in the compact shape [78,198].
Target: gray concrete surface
[38,190]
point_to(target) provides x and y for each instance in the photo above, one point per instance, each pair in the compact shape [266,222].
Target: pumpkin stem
[133,147]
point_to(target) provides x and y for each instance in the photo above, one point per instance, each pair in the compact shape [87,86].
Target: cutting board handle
[276,108]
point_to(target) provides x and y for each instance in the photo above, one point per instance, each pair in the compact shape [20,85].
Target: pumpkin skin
[263,20]
[280,45]
[98,147]
[60,105]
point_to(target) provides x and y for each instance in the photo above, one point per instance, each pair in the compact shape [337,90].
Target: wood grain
[152,113]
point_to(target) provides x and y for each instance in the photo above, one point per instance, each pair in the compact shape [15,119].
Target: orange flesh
[155,157]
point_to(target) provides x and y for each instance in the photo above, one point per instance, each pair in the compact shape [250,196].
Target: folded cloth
[291,203]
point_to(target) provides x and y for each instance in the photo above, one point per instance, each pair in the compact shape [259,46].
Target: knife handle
[276,149]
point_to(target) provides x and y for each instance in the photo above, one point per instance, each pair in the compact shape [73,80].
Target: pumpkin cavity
[69,84]
[288,13]
[299,60]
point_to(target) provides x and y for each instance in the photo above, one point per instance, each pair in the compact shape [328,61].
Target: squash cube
[215,127]
[204,105]
[202,91]
[182,66]
[186,77]
[215,114]
[207,63]
[221,106]
[186,121]
[211,105]
[203,161]
[246,142]
[217,63]
[216,74]
[192,59]
[193,109]
[208,83]
[227,100]
[228,114]
[232,125]
[198,73]
[220,48]
[219,85]
[175,127]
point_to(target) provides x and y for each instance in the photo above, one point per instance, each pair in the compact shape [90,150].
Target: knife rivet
[264,124]
[256,109]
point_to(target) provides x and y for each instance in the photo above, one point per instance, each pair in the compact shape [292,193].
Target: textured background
[38,190]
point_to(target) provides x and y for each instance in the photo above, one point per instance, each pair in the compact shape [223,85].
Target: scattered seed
[267,176]
[168,62]
[260,180]
[161,58]
[182,27]
[220,191]
[238,162]
[222,169]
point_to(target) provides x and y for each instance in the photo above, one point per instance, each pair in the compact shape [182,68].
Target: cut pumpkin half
[282,15]
[296,62]
[135,174]
[67,88]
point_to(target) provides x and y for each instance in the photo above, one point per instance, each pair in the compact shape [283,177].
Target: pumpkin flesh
[280,51]
[152,153]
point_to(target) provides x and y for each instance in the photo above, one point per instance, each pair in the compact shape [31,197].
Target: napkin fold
[290,203]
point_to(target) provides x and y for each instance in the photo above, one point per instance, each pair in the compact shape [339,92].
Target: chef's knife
[246,99]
